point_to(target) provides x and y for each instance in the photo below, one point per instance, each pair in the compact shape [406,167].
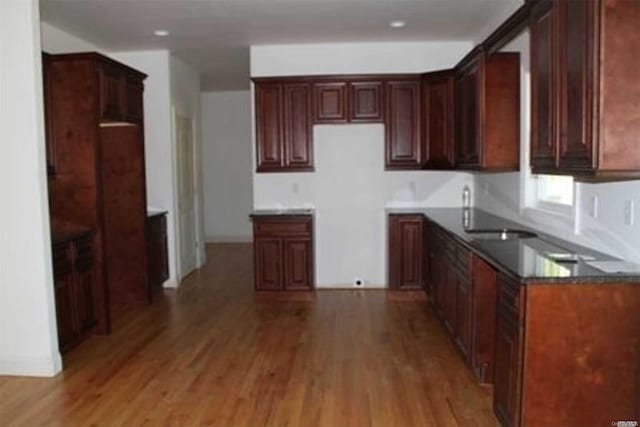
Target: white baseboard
[45,367]
[349,286]
[171,284]
[229,239]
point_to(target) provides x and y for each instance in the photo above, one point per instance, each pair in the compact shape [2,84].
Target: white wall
[55,40]
[350,188]
[185,100]
[355,58]
[28,337]
[511,194]
[227,165]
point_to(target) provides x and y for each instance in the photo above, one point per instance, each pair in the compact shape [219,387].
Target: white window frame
[554,214]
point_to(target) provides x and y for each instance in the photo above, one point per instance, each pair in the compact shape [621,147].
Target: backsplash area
[600,218]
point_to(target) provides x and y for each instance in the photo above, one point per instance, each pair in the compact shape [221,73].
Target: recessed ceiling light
[161,33]
[397,24]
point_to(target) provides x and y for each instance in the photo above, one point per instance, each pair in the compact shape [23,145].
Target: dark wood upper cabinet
[586,118]
[298,134]
[284,137]
[487,112]
[365,102]
[269,126]
[543,69]
[405,234]
[402,131]
[133,107]
[437,120]
[330,102]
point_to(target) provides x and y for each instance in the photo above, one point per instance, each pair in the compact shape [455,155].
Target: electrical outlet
[628,212]
[295,188]
[593,209]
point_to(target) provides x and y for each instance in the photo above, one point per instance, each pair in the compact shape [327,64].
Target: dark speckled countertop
[529,259]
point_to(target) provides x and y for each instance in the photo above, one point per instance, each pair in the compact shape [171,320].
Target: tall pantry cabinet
[95,159]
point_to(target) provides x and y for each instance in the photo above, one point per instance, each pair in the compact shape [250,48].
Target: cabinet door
[269,129]
[505,390]
[298,264]
[365,102]
[543,93]
[437,136]
[134,103]
[268,263]
[463,315]
[111,93]
[84,282]
[64,294]
[468,121]
[483,319]
[450,293]
[437,283]
[298,140]
[576,46]
[330,102]
[403,125]
[405,251]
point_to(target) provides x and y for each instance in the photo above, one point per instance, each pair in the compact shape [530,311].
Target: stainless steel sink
[501,234]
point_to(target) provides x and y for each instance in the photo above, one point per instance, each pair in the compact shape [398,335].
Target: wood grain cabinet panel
[298,139]
[543,104]
[298,264]
[112,93]
[366,102]
[483,318]
[134,99]
[283,252]
[73,271]
[330,102]
[268,263]
[47,91]
[585,116]
[487,112]
[157,251]
[402,130]
[405,252]
[269,126]
[437,120]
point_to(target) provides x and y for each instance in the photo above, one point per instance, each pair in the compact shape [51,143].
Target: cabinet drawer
[282,227]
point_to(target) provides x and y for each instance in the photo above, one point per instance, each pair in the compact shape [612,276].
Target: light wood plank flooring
[214,353]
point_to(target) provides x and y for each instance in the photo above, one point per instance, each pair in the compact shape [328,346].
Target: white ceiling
[214,35]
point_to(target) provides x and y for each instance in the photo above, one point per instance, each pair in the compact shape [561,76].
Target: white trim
[45,367]
[171,284]
[229,239]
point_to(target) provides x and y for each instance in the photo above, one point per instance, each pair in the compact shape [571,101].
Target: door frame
[197,202]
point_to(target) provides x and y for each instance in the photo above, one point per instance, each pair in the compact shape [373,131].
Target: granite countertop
[62,231]
[282,211]
[528,259]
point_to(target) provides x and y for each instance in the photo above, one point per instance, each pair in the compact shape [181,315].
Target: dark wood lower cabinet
[506,388]
[463,288]
[405,237]
[157,253]
[283,252]
[73,272]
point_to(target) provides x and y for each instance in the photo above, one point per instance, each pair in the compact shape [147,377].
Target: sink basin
[502,234]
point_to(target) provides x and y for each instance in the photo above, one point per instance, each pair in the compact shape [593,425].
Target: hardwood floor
[215,353]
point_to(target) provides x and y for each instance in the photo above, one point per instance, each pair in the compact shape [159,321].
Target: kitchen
[351,244]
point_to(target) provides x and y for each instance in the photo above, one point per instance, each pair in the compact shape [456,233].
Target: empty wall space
[227,165]
[350,188]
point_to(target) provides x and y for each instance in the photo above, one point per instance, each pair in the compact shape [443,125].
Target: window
[554,189]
